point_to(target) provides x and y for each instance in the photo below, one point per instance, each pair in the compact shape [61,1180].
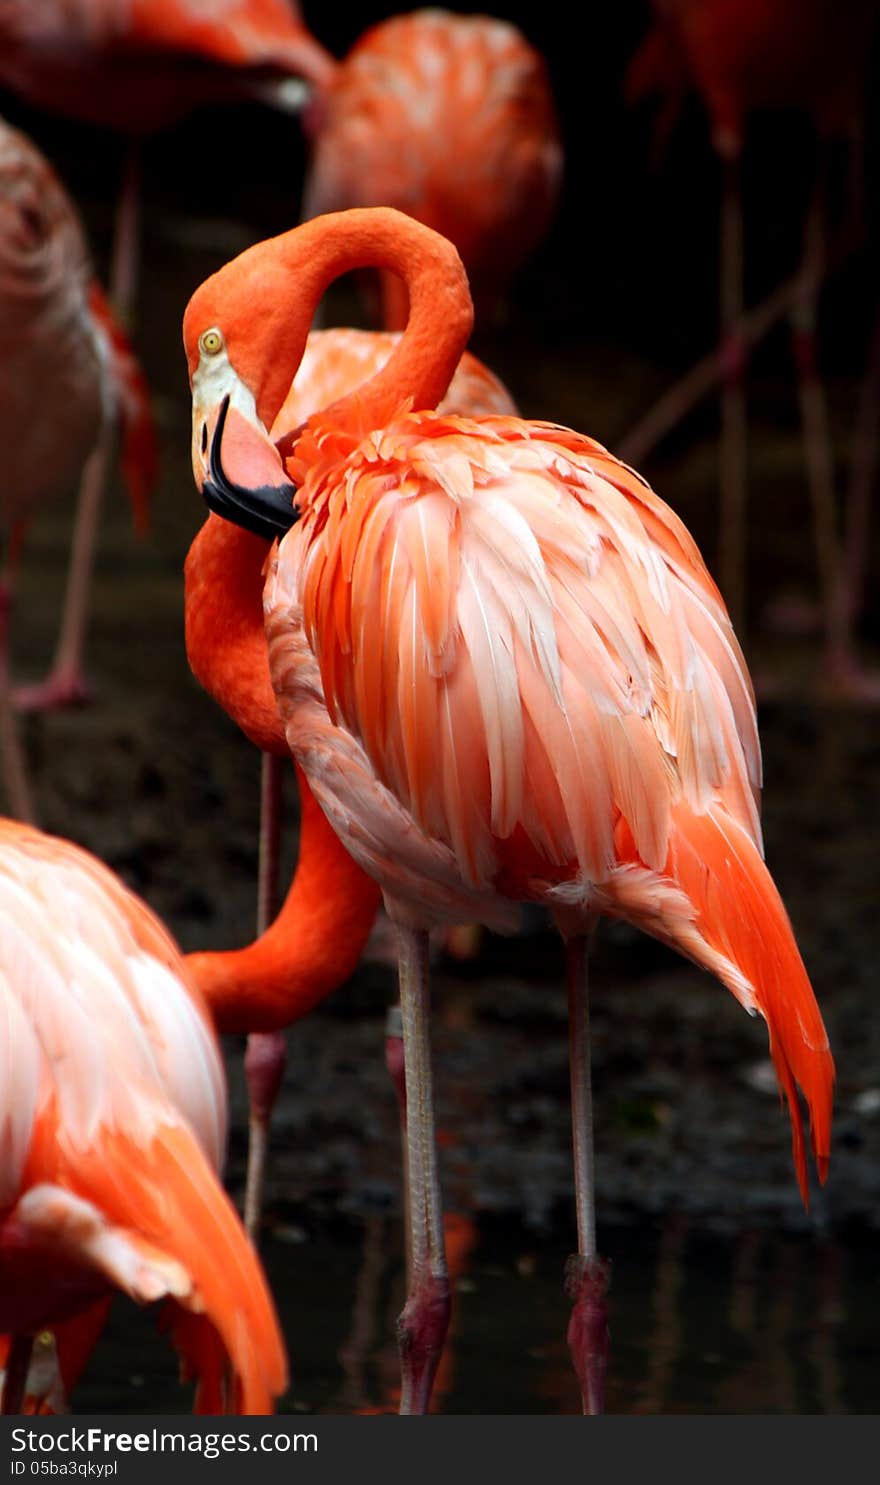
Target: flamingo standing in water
[113,1128]
[451,119]
[507,675]
[226,647]
[68,373]
[742,56]
[136,66]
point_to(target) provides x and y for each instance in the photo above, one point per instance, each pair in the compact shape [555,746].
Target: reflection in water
[700,1323]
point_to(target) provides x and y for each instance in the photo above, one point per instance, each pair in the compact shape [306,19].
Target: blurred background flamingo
[70,378]
[137,66]
[744,59]
[451,119]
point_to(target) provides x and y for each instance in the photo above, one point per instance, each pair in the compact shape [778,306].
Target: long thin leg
[424,1322]
[65,685]
[19,801]
[814,416]
[266,1051]
[732,473]
[843,673]
[395,1064]
[125,264]
[587,1274]
[17,1365]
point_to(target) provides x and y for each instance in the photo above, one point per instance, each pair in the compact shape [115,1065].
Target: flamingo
[742,56]
[137,66]
[226,648]
[114,1121]
[451,119]
[69,374]
[507,675]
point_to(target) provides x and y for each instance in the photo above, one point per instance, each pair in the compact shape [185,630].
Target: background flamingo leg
[19,800]
[422,1327]
[849,597]
[586,1273]
[266,1051]
[814,420]
[66,685]
[732,470]
[126,254]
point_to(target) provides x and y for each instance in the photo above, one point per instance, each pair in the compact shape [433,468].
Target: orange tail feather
[168,1198]
[740,917]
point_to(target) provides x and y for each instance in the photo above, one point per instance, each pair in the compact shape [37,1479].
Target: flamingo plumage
[451,119]
[113,1130]
[70,377]
[507,675]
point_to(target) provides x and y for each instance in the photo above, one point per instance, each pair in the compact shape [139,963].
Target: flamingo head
[241,352]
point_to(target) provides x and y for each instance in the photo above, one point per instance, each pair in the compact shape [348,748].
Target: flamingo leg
[849,597]
[814,420]
[396,1066]
[125,264]
[19,801]
[15,1382]
[732,471]
[266,1051]
[422,1327]
[65,685]
[586,1274]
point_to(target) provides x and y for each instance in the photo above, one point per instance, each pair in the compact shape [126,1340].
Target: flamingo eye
[211,342]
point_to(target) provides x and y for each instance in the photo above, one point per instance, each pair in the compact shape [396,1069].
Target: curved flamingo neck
[225,638]
[312,947]
[440,311]
[264,302]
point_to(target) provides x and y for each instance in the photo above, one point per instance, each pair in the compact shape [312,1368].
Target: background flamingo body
[139,65]
[451,119]
[114,1123]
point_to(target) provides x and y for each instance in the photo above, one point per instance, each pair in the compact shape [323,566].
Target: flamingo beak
[241,474]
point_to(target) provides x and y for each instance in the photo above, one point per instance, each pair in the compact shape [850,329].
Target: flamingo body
[513,678]
[113,1123]
[507,675]
[68,364]
[451,119]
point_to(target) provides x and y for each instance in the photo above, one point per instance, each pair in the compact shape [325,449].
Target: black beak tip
[267,510]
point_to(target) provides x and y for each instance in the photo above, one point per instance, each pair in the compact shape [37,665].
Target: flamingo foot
[60,690]
[421,1332]
[586,1282]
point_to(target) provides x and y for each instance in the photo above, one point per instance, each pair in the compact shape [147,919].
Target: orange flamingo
[69,373]
[451,119]
[507,675]
[136,66]
[227,651]
[743,56]
[114,1122]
